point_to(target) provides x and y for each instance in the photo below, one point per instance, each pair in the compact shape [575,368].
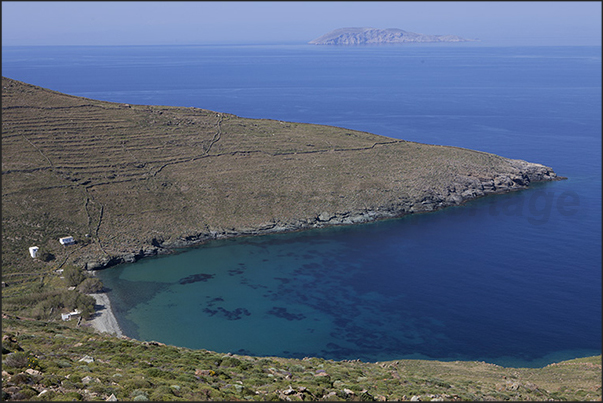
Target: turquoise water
[433,286]
[511,279]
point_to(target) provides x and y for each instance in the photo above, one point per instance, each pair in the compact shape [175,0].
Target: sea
[511,279]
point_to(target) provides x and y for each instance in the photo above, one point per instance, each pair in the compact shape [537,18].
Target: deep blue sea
[511,279]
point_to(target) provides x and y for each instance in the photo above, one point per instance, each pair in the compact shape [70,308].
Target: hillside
[50,361]
[128,181]
[374,36]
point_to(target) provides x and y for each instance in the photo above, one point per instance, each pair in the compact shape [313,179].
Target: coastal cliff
[129,181]
[374,36]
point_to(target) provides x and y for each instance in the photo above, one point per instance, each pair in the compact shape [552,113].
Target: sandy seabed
[103,320]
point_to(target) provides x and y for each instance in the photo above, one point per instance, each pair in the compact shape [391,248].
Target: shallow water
[512,279]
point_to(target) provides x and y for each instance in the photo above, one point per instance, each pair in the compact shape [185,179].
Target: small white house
[67,240]
[33,251]
[67,316]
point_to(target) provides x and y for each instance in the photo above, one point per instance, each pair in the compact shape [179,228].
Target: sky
[496,23]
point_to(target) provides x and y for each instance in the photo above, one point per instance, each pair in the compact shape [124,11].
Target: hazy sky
[188,23]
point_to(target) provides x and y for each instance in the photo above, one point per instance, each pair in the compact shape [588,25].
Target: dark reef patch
[283,280]
[230,315]
[196,278]
[213,301]
[280,312]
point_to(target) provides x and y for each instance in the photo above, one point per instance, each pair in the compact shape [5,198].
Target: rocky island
[374,36]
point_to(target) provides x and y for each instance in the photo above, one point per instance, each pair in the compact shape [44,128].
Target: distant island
[374,36]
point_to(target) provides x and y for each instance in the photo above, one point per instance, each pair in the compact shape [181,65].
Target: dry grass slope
[127,179]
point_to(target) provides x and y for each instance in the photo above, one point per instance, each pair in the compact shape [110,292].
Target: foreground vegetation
[53,361]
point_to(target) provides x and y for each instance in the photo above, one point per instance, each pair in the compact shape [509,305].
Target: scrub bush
[91,286]
[16,360]
[73,276]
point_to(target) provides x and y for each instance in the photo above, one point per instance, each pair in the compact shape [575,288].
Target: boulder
[325,216]
[33,372]
[86,359]
[349,392]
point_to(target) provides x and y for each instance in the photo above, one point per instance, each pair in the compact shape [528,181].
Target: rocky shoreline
[523,174]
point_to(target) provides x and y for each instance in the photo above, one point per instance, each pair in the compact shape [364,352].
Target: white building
[33,251]
[67,316]
[67,240]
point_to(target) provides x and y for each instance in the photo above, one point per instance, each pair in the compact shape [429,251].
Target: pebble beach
[103,320]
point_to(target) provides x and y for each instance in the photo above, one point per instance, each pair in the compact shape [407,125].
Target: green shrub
[296,368]
[186,378]
[136,383]
[67,384]
[63,364]
[366,397]
[33,362]
[223,375]
[25,393]
[49,395]
[162,393]
[139,395]
[91,286]
[122,359]
[203,393]
[230,362]
[157,373]
[50,380]
[70,396]
[73,276]
[16,360]
[21,379]
[55,301]
[75,377]
[45,256]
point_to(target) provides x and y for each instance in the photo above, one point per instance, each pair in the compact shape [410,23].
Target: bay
[512,279]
